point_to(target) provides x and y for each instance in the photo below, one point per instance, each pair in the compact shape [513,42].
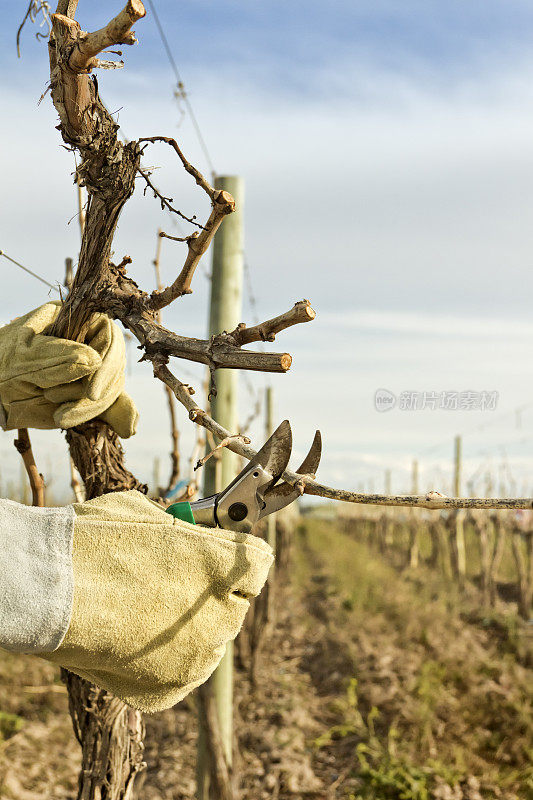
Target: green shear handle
[182,511]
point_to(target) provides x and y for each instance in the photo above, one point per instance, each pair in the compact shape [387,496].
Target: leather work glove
[124,594]
[47,382]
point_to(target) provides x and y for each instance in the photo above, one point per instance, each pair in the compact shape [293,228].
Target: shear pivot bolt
[237,512]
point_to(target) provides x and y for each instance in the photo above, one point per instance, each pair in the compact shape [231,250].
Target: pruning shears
[255,492]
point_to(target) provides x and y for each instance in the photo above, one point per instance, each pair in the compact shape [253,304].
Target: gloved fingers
[107,339]
[122,416]
[68,415]
[43,361]
[103,386]
[36,409]
[249,565]
[48,382]
[46,361]
[67,392]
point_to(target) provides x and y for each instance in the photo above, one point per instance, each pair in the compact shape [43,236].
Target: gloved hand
[47,382]
[154,599]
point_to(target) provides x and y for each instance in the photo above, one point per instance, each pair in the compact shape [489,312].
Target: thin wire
[34,274]
[126,140]
[181,87]
[477,429]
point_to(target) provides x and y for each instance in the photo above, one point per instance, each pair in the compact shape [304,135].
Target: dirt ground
[373,684]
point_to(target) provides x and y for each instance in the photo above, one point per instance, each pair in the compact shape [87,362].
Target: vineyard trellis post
[224,315]
[413,521]
[459,533]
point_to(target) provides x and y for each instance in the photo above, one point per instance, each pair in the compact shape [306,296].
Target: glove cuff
[37,581]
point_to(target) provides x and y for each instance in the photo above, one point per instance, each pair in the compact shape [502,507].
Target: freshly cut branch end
[225,200]
[266,331]
[286,361]
[117,31]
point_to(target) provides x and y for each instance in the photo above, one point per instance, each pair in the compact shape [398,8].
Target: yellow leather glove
[155,599]
[47,382]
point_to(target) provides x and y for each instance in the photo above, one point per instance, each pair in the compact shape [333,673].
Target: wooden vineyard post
[414,528]
[520,542]
[388,520]
[458,533]
[225,312]
[497,552]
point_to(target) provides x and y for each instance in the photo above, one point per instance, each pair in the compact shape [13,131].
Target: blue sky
[387,150]
[287,45]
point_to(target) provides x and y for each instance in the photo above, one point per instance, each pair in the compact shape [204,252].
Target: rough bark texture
[110,732]
[99,458]
[111,737]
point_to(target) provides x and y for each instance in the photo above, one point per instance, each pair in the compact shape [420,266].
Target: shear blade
[312,459]
[277,497]
[275,453]
[273,458]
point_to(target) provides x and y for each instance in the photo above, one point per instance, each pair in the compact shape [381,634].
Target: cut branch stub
[67,8]
[115,32]
[266,331]
[88,45]
[72,55]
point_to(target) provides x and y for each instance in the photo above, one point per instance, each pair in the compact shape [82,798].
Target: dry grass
[437,697]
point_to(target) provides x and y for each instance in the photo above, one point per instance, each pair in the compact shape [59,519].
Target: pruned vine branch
[222,204]
[219,447]
[432,500]
[108,170]
[188,167]
[266,331]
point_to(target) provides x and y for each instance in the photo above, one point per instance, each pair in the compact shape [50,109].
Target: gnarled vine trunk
[110,732]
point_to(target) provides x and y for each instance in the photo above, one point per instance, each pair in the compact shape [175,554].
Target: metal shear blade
[239,505]
[278,496]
